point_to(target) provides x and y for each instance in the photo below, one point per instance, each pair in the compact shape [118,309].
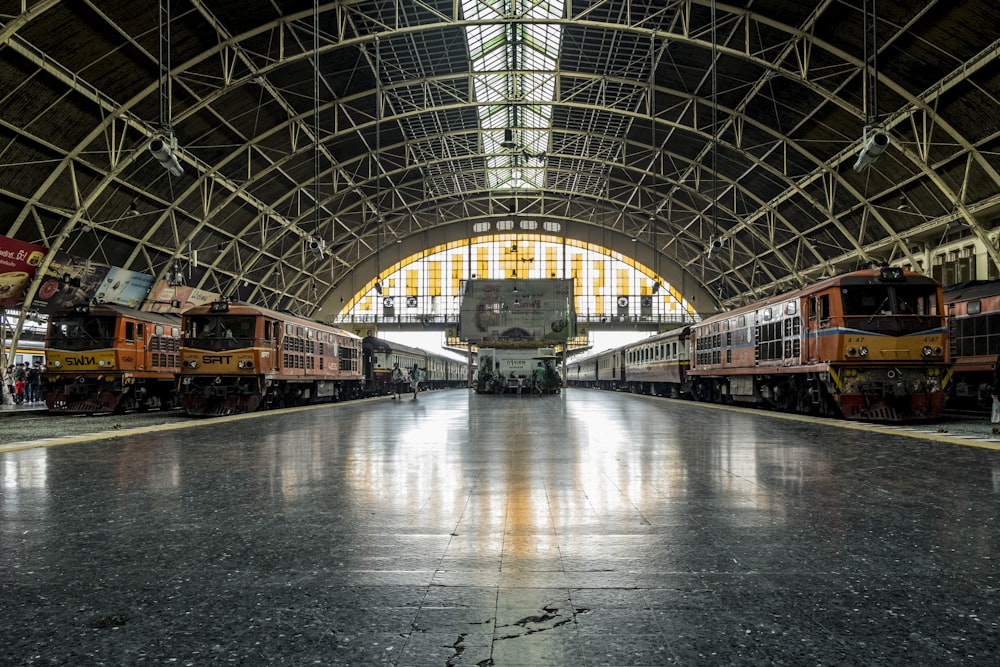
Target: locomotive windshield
[893,309]
[219,332]
[82,332]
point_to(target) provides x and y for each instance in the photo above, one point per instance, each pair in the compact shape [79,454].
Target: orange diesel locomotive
[867,345]
[236,358]
[110,359]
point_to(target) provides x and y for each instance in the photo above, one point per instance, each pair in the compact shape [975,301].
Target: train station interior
[358,168]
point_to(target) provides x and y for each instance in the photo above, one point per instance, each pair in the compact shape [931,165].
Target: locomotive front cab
[81,375]
[223,357]
[81,331]
[890,361]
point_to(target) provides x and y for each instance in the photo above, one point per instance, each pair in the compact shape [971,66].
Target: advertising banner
[517,310]
[167,298]
[18,262]
[124,287]
[69,281]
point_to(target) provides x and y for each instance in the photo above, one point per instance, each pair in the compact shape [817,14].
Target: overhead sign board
[517,310]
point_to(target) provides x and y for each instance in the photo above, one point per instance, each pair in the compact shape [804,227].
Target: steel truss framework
[631,138]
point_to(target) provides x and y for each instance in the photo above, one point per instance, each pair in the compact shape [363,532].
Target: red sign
[18,262]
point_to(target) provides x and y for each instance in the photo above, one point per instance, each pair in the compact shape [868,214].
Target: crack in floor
[550,620]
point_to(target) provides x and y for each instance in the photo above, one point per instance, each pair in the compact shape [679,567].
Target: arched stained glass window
[607,285]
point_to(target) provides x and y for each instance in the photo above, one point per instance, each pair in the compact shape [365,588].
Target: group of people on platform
[23,383]
[401,378]
[543,379]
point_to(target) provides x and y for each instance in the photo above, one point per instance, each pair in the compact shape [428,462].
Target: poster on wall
[69,281]
[167,298]
[124,287]
[517,310]
[18,263]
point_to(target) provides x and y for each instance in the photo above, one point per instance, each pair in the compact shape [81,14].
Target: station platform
[587,528]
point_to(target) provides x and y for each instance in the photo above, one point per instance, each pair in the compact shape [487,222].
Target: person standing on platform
[416,377]
[539,373]
[33,384]
[18,392]
[20,374]
[398,380]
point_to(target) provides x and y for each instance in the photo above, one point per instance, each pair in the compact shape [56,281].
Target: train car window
[823,307]
[175,332]
[241,327]
[741,321]
[158,329]
[867,300]
[298,331]
[974,307]
[914,299]
[791,308]
[130,332]
[766,314]
[309,334]
[140,330]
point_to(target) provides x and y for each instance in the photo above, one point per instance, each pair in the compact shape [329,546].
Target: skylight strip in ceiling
[514,74]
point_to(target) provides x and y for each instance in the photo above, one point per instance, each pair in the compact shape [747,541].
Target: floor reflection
[590,527]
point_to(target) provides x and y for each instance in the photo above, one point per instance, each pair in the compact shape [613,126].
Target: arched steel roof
[633,152]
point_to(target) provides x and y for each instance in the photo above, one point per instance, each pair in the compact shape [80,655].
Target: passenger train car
[973,311]
[380,355]
[110,359]
[867,345]
[238,358]
[656,366]
[659,365]
[32,351]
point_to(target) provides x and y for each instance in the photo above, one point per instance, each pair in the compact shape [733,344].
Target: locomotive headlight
[57,363]
[926,350]
[101,362]
[937,351]
[191,364]
[851,351]
[245,364]
[863,351]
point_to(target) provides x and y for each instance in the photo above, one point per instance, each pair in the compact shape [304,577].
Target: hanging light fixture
[874,139]
[164,148]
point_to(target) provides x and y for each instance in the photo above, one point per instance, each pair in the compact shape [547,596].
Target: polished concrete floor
[584,529]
